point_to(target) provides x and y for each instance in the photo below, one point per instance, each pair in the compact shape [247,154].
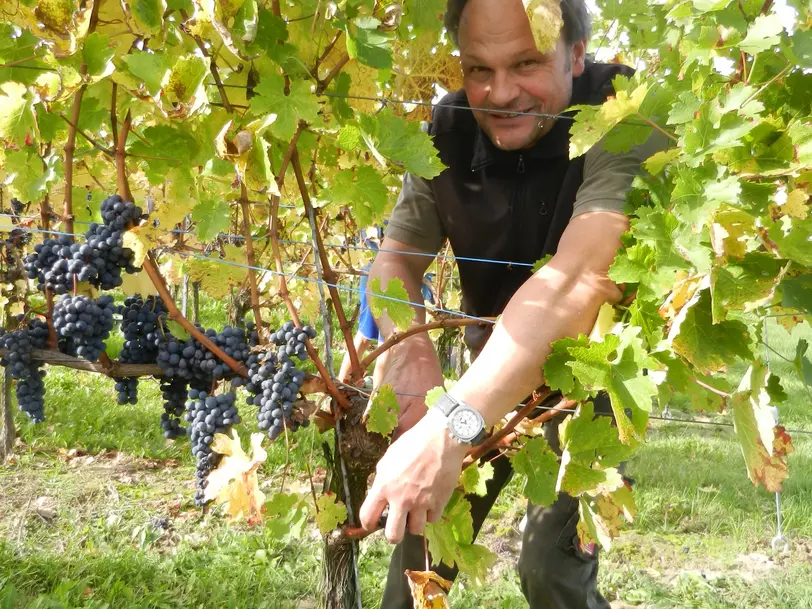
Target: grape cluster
[192,361]
[57,263]
[127,390]
[143,323]
[274,380]
[17,206]
[28,372]
[174,392]
[85,323]
[208,415]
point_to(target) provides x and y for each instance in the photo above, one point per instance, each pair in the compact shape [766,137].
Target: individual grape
[85,322]
[208,415]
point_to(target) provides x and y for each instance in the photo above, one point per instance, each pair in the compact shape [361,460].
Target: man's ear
[578,58]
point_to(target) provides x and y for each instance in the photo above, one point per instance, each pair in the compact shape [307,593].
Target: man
[510,193]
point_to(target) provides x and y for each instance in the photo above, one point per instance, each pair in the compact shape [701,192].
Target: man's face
[504,71]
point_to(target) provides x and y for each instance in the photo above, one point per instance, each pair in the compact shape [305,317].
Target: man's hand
[415,478]
[413,369]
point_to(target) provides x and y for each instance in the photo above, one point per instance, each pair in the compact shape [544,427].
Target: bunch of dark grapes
[84,322]
[26,371]
[11,248]
[143,323]
[127,390]
[57,264]
[17,207]
[275,381]
[208,415]
[192,361]
[174,393]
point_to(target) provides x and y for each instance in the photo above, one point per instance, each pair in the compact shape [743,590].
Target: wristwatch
[464,422]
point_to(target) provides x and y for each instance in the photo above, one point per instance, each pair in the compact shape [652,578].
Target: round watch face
[465,424]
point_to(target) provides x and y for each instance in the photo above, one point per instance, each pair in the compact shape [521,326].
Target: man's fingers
[434,515]
[396,524]
[416,523]
[372,509]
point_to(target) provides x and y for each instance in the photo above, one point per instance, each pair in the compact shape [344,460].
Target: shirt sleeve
[415,221]
[608,177]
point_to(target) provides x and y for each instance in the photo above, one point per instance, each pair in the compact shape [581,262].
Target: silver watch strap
[446,404]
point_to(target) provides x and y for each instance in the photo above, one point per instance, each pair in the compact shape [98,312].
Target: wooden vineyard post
[7,432]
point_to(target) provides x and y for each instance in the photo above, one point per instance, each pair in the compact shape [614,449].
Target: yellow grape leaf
[420,64]
[331,513]
[546,21]
[234,482]
[429,590]
[797,205]
[764,444]
[730,231]
[382,415]
[138,244]
[600,517]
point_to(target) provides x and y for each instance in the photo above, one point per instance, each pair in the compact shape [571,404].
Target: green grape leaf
[394,302]
[331,513]
[764,445]
[803,365]
[13,49]
[350,138]
[364,191]
[300,104]
[541,262]
[211,217]
[286,517]
[557,373]
[764,33]
[593,123]
[708,346]
[793,241]
[367,44]
[16,113]
[401,142]
[802,48]
[744,285]
[594,440]
[539,464]
[426,14]
[474,479]
[775,390]
[433,395]
[145,17]
[153,69]
[797,290]
[616,366]
[451,540]
[164,148]
[659,160]
[684,109]
[177,330]
[185,82]
[98,51]
[382,416]
[29,180]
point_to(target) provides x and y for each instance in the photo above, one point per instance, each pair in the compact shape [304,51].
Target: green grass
[701,538]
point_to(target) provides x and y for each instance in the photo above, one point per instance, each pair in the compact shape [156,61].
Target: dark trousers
[555,573]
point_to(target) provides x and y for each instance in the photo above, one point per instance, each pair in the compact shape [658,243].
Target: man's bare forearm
[390,265]
[562,299]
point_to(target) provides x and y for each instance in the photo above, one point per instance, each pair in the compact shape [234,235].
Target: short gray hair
[577,20]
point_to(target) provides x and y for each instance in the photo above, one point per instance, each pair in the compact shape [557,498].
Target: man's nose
[503,90]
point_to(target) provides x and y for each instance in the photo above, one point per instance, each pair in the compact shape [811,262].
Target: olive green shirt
[607,179]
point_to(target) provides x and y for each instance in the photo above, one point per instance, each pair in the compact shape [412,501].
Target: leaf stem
[651,123]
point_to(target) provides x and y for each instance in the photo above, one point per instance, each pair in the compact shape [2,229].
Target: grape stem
[249,251]
[151,267]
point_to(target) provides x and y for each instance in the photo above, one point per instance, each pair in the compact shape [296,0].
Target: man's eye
[528,63]
[478,69]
